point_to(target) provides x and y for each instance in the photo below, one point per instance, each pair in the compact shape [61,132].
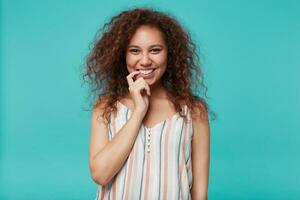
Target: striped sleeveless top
[159,165]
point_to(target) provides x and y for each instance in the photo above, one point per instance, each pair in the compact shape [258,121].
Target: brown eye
[134,51]
[155,51]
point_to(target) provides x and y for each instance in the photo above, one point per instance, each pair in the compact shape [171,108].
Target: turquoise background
[250,54]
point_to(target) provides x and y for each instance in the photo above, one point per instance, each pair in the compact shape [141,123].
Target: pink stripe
[182,157]
[129,171]
[166,159]
[146,184]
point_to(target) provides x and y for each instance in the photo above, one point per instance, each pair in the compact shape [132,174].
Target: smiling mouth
[146,73]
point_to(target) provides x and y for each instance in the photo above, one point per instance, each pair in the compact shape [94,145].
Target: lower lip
[146,75]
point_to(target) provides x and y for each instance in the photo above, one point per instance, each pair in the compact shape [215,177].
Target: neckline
[155,125]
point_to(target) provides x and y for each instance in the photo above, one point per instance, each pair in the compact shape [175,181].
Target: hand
[139,91]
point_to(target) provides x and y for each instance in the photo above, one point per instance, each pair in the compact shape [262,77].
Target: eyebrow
[155,45]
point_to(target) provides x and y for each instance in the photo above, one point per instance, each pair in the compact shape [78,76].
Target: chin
[149,81]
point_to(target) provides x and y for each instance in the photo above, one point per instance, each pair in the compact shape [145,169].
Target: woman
[149,132]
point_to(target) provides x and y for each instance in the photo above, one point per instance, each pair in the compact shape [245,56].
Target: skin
[147,49]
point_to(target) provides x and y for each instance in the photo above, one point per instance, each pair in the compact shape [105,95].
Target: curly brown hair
[106,65]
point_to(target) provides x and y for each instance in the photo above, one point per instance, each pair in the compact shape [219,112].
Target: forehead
[147,35]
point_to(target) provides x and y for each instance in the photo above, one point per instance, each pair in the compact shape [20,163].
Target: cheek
[130,62]
[161,60]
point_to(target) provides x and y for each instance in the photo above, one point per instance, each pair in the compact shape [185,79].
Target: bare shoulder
[98,108]
[100,103]
[200,151]
[98,131]
[199,112]
[200,120]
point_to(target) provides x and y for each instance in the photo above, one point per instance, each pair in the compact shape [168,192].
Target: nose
[145,60]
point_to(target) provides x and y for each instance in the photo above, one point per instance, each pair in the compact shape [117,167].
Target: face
[147,52]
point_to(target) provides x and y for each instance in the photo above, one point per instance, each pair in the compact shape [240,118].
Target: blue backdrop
[250,54]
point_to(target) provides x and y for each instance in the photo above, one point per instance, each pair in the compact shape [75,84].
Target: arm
[107,157]
[200,157]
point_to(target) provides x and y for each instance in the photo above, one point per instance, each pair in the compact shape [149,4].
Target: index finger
[130,77]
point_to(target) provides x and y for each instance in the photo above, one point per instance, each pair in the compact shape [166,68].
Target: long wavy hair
[106,68]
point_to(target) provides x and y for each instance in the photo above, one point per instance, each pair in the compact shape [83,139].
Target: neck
[157,92]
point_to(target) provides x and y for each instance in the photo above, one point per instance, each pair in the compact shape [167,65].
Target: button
[148,139]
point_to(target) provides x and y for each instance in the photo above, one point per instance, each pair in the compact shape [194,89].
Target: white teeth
[146,71]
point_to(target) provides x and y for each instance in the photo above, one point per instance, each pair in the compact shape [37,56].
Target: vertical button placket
[148,139]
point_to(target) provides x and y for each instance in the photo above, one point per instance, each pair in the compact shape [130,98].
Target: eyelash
[152,50]
[156,50]
[133,50]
